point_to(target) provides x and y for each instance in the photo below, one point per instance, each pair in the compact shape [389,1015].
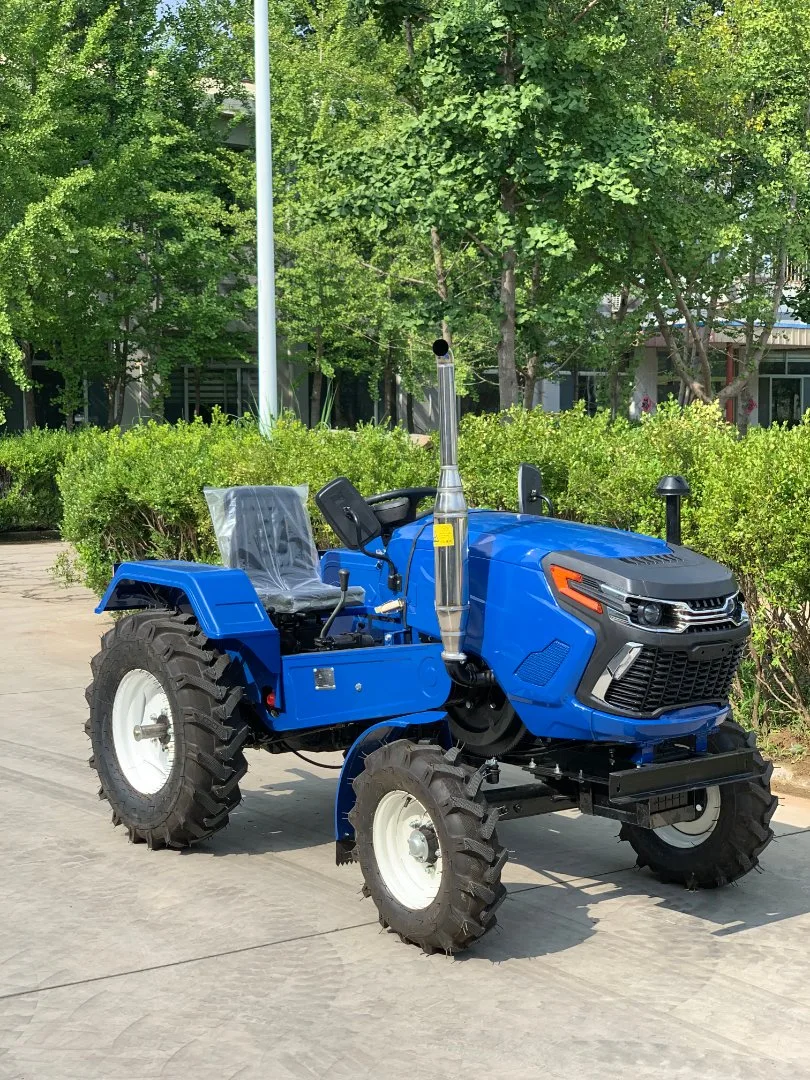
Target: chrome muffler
[450,541]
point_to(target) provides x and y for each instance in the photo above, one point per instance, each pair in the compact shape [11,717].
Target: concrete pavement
[255,957]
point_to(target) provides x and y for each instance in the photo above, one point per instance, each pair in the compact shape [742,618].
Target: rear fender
[416,726]
[223,601]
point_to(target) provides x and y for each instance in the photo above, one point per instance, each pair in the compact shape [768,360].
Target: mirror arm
[394,577]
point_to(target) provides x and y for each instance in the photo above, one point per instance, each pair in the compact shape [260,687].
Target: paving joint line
[582,877]
[786,835]
[188,960]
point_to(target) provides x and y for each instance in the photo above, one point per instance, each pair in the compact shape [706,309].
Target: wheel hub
[690,834]
[159,730]
[407,849]
[423,844]
[143,732]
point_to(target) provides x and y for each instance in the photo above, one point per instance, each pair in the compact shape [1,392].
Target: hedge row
[139,494]
[29,495]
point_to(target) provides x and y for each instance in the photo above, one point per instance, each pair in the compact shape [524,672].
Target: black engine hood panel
[683,575]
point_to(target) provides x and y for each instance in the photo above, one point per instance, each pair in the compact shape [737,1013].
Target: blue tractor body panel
[344,686]
[224,601]
[310,690]
[537,650]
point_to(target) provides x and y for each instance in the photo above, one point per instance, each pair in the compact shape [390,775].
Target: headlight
[652,614]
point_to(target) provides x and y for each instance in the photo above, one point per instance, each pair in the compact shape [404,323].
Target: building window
[234,388]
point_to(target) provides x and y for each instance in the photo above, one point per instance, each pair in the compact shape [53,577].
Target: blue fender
[399,727]
[224,601]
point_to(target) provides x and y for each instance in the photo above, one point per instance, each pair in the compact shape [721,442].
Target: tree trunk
[111,386]
[120,402]
[613,389]
[337,405]
[317,382]
[315,401]
[112,394]
[743,415]
[407,27]
[29,399]
[197,391]
[409,412]
[507,371]
[530,382]
[389,388]
[441,278]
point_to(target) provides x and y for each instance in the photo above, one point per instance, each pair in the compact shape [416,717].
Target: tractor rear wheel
[726,839]
[427,846]
[165,729]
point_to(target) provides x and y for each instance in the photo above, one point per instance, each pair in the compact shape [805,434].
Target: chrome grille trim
[681,616]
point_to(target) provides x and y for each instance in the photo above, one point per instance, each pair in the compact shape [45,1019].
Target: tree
[723,214]
[520,113]
[350,295]
[124,219]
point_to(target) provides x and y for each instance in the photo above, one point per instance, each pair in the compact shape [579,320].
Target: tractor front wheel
[727,837]
[165,729]
[427,846]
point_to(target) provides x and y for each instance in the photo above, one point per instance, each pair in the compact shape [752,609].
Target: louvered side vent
[541,667]
[668,558]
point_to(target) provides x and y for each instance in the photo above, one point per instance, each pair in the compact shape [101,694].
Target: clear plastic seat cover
[266,532]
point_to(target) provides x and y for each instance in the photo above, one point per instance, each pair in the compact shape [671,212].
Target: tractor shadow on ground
[562,868]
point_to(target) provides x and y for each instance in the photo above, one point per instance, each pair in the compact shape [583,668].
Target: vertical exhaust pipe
[450,543]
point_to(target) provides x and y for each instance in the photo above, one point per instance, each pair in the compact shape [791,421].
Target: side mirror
[531,499]
[345,509]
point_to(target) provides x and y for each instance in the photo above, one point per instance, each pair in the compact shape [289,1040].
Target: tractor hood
[525,540]
[629,562]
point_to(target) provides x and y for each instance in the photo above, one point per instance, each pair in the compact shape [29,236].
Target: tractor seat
[266,532]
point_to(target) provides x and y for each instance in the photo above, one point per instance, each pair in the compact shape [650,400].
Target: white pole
[266,283]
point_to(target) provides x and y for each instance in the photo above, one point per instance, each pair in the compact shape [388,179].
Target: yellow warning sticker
[443,534]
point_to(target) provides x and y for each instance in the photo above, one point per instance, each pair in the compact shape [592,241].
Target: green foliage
[29,496]
[139,494]
[723,212]
[525,126]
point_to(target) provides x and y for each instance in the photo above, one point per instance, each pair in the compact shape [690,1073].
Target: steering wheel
[399,506]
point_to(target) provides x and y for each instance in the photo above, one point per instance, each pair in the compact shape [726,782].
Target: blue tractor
[430,648]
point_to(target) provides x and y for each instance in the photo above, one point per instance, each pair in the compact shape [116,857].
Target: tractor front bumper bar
[672,777]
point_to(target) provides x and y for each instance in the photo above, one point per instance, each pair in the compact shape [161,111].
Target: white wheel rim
[140,700]
[689,834]
[412,879]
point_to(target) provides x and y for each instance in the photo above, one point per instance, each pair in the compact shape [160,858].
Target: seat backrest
[266,532]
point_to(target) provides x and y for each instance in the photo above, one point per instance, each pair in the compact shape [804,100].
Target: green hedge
[29,496]
[139,494]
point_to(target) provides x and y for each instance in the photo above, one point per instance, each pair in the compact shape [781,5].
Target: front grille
[661,679]
[708,603]
[712,628]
